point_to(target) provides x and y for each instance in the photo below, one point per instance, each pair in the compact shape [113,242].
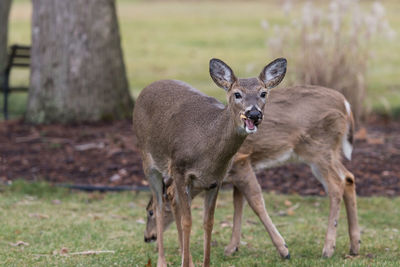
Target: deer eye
[150,212]
[238,95]
[263,94]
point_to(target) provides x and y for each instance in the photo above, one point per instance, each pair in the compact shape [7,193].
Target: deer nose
[254,114]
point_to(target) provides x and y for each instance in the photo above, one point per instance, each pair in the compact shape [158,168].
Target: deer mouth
[250,125]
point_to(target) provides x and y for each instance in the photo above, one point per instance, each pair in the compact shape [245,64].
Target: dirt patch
[105,154]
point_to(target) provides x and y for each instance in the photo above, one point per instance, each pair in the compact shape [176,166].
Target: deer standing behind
[309,124]
[189,139]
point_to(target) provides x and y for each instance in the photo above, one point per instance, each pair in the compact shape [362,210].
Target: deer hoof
[327,253]
[230,249]
[284,251]
[353,252]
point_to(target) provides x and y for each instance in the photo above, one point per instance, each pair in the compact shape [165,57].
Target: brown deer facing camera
[309,124]
[189,139]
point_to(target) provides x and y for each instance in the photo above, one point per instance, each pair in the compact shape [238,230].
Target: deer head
[150,233]
[247,97]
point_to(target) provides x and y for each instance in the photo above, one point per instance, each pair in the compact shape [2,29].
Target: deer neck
[228,137]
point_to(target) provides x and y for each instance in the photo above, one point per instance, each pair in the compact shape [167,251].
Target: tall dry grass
[329,45]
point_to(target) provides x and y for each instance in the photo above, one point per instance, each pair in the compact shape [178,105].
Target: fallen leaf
[370,255]
[89,146]
[122,172]
[288,203]
[350,257]
[115,177]
[290,212]
[375,140]
[113,152]
[19,244]
[38,215]
[361,134]
[295,206]
[225,224]
[64,251]
[140,221]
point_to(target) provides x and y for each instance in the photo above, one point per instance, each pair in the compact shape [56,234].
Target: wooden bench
[19,56]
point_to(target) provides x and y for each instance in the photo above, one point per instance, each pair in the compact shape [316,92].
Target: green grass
[50,219]
[175,40]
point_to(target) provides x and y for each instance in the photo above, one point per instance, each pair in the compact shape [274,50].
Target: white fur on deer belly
[289,155]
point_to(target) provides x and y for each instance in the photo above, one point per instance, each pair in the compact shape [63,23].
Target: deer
[307,124]
[188,139]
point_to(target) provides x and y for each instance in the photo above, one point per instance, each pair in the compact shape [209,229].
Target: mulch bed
[105,154]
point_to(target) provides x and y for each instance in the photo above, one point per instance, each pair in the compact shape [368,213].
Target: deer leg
[335,193]
[251,189]
[238,201]
[210,200]
[183,199]
[178,218]
[350,201]
[157,187]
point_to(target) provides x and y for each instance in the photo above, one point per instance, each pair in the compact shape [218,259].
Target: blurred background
[89,60]
[350,45]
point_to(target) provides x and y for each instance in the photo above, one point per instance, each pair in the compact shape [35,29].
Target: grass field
[55,223]
[175,40]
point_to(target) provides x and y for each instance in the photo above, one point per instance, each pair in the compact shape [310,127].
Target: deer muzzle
[251,118]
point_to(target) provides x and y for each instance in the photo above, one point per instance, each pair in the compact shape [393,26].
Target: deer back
[300,121]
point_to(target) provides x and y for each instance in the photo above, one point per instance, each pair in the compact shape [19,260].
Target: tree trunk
[77,68]
[4,13]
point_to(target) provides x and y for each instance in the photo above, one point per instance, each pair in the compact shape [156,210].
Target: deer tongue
[250,124]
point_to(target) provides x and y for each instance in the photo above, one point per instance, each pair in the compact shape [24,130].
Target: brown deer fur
[191,138]
[309,124]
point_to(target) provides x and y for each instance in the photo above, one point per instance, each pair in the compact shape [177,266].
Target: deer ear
[221,74]
[273,73]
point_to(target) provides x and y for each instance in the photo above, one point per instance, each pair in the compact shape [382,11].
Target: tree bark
[4,14]
[77,68]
